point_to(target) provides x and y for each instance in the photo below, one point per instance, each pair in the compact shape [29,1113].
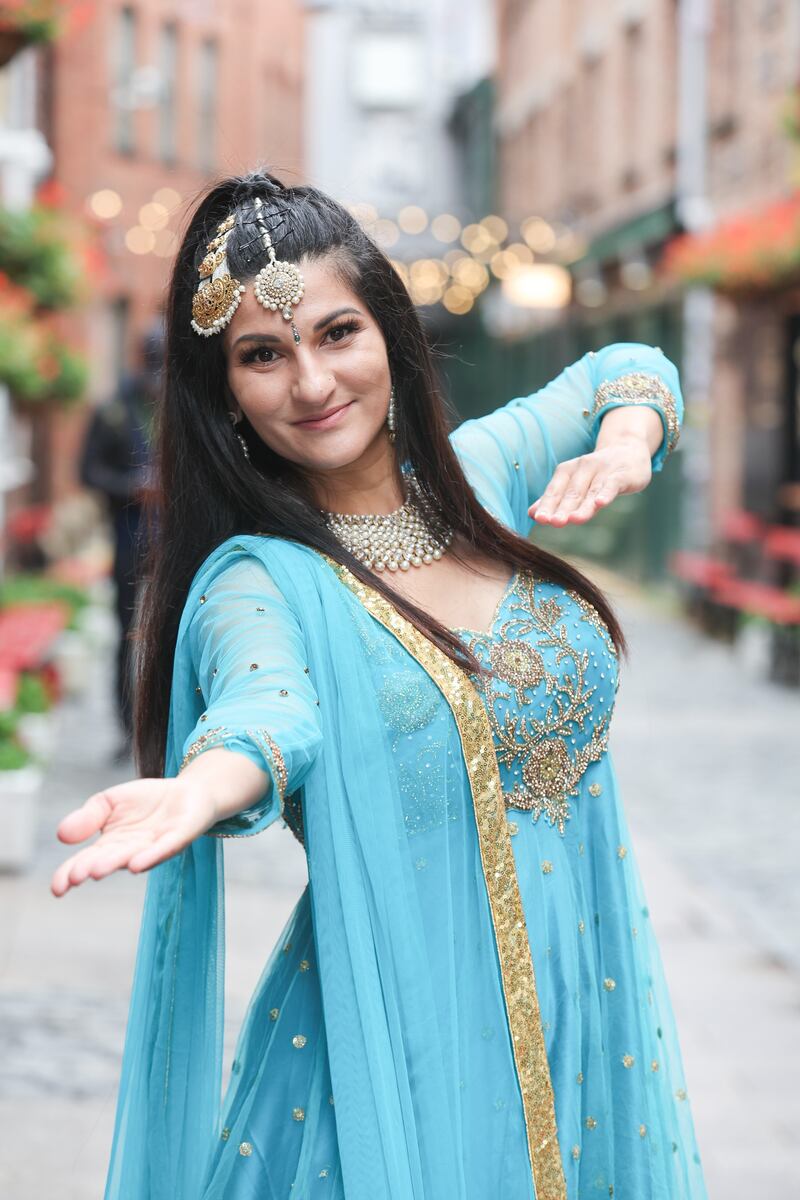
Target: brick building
[625,125]
[142,106]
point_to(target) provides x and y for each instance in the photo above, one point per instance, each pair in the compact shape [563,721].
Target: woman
[467,1002]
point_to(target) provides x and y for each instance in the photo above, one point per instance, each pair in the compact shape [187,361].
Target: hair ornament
[279,284]
[218,294]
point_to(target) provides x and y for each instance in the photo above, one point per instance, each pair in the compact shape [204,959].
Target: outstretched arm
[256,735]
[511,455]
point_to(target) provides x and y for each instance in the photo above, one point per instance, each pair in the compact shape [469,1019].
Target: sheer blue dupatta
[397,1138]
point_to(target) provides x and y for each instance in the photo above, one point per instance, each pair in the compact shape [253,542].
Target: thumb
[82,822]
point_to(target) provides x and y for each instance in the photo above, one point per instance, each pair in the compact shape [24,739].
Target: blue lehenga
[468,1001]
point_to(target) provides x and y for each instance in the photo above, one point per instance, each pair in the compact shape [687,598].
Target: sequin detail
[497,858]
[544,749]
[639,387]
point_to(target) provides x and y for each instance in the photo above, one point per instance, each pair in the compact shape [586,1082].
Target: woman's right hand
[141,823]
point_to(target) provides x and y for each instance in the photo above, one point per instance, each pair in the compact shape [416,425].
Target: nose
[312,384]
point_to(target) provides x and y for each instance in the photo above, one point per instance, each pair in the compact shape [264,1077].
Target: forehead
[326,289]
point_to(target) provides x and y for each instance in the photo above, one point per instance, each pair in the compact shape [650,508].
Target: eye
[337,333]
[254,355]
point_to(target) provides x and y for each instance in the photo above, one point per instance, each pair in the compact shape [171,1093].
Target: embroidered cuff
[639,387]
[261,749]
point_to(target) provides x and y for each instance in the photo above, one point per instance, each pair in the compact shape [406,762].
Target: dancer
[347,626]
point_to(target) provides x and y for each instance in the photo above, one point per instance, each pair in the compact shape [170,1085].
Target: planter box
[38,733]
[19,816]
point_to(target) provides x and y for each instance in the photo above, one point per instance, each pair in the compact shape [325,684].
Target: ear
[232,404]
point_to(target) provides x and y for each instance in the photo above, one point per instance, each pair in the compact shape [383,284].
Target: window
[167,69]
[207,105]
[124,67]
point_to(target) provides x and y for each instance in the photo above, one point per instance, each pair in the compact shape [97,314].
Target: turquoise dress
[467,1001]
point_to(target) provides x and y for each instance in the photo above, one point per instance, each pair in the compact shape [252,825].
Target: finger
[164,847]
[59,884]
[106,864]
[82,822]
[550,498]
[574,494]
[599,496]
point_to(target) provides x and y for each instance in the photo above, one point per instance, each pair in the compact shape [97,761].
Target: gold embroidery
[213,737]
[505,903]
[551,768]
[638,387]
[268,747]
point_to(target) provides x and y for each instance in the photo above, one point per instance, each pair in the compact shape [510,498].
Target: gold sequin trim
[268,747]
[497,858]
[639,387]
[213,737]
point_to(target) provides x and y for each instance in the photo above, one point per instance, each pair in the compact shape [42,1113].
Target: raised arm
[511,455]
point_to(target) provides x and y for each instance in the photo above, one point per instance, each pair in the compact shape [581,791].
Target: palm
[581,486]
[140,823]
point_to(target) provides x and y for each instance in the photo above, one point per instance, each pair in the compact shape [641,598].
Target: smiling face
[321,404]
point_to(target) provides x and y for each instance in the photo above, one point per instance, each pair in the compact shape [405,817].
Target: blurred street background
[548,176]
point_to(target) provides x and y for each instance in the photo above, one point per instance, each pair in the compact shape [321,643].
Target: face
[321,404]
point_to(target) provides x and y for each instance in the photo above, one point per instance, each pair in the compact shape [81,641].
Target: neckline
[487,633]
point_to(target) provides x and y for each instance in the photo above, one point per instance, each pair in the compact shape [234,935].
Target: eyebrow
[271,337]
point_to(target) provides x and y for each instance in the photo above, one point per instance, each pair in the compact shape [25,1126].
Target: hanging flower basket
[36,365]
[24,22]
[756,250]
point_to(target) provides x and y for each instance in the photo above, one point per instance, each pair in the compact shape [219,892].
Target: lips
[326,420]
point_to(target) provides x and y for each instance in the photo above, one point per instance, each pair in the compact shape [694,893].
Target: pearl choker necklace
[408,537]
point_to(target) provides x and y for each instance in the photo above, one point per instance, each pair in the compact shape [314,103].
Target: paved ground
[708,760]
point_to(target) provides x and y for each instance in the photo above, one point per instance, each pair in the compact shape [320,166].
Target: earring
[390,417]
[242,442]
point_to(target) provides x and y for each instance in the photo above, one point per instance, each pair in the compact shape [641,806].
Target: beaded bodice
[550,694]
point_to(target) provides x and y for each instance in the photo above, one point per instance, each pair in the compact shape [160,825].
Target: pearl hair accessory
[218,294]
[278,286]
[408,537]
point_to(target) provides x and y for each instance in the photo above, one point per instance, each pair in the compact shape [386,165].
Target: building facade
[144,105]
[630,124]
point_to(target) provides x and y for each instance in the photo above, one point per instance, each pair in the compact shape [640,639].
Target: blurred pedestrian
[116,462]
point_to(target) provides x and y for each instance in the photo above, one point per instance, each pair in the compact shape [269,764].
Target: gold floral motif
[639,387]
[551,767]
[505,902]
[518,664]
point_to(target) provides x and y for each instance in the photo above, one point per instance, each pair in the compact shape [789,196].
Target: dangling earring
[242,442]
[390,417]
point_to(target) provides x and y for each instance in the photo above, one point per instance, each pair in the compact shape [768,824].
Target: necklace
[408,537]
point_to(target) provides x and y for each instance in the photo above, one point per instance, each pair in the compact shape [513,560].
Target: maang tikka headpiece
[278,285]
[219,294]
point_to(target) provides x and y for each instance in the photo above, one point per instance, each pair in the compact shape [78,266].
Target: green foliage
[35,252]
[13,756]
[39,589]
[32,695]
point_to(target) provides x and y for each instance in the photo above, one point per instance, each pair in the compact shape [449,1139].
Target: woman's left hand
[581,486]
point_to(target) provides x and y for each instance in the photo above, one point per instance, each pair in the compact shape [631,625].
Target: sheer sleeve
[253,690]
[509,455]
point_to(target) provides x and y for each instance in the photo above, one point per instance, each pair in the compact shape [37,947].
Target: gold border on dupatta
[500,875]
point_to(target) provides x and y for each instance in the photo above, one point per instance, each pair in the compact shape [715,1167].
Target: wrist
[224,782]
[626,425]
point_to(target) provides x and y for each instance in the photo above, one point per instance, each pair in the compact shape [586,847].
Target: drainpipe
[696,214]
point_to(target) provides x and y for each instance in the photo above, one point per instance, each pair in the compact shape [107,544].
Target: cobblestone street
[709,760]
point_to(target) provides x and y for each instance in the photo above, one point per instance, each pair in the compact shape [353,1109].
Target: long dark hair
[204,489]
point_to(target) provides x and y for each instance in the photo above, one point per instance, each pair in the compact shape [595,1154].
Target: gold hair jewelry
[218,294]
[279,284]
